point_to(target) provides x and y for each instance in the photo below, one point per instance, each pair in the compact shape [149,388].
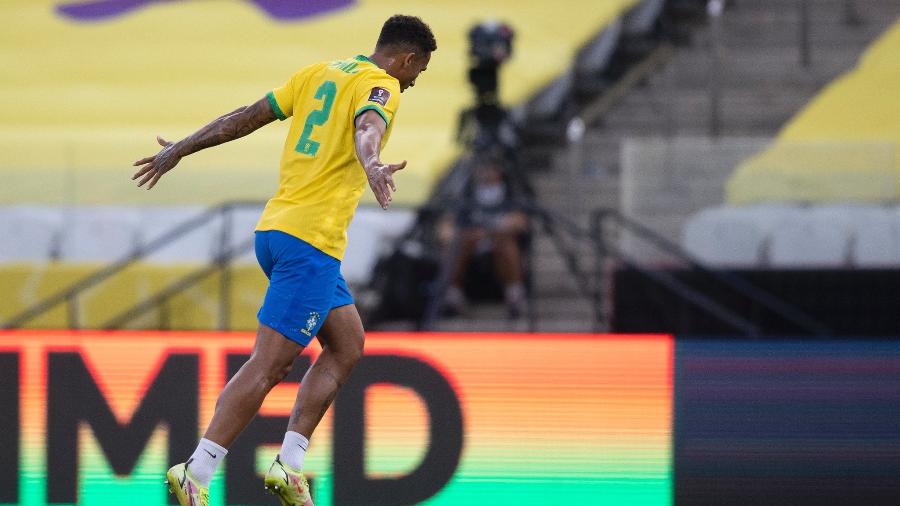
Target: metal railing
[606,253]
[220,262]
[605,249]
[566,234]
[597,285]
[604,219]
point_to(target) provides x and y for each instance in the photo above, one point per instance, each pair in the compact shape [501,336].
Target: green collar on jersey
[363,58]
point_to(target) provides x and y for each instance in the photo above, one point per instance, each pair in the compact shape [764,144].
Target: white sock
[293,450]
[205,460]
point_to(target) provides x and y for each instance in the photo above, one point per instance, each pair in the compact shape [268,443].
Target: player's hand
[157,165]
[381,179]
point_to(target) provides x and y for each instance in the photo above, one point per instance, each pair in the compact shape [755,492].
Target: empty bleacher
[47,249]
[810,218]
[68,207]
[839,152]
[842,146]
[772,236]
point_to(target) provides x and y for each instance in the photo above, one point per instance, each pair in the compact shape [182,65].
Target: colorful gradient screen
[438,419]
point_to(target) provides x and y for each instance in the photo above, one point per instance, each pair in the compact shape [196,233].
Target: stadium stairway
[762,85]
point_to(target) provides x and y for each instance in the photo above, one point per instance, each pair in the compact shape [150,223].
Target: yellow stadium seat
[82,100]
[196,308]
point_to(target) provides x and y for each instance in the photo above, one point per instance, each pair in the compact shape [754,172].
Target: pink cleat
[289,485]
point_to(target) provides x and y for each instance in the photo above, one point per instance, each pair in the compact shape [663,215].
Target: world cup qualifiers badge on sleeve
[380,96]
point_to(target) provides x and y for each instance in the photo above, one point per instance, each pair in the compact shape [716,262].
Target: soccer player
[342,114]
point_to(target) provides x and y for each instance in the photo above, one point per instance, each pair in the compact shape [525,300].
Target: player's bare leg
[342,339]
[271,360]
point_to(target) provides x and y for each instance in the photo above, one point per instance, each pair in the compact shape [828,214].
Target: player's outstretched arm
[370,129]
[228,127]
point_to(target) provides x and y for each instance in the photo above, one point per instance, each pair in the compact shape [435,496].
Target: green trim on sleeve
[274,103]
[373,108]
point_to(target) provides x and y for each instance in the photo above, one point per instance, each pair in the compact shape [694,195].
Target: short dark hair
[408,32]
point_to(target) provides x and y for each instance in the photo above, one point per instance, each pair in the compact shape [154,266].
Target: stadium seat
[641,19]
[730,237]
[195,246]
[551,101]
[371,230]
[820,236]
[99,233]
[895,234]
[769,216]
[876,238]
[241,224]
[597,55]
[30,234]
[814,238]
[95,137]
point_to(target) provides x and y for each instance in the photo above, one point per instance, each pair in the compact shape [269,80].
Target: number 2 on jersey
[326,93]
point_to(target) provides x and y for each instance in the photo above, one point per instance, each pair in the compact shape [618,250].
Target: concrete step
[779,69]
[482,325]
[574,194]
[544,244]
[500,324]
[685,100]
[552,313]
[762,87]
[521,325]
[550,284]
[575,191]
[593,161]
[564,306]
[556,266]
[766,21]
[764,112]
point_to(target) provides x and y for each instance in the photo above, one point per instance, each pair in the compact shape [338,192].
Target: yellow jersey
[321,180]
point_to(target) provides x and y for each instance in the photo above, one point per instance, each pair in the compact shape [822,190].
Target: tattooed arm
[370,129]
[228,127]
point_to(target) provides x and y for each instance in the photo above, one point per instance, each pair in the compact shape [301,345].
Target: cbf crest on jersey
[311,323]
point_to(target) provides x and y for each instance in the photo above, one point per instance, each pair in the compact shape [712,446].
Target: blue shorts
[304,285]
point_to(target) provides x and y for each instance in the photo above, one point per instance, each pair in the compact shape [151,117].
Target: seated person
[489,220]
